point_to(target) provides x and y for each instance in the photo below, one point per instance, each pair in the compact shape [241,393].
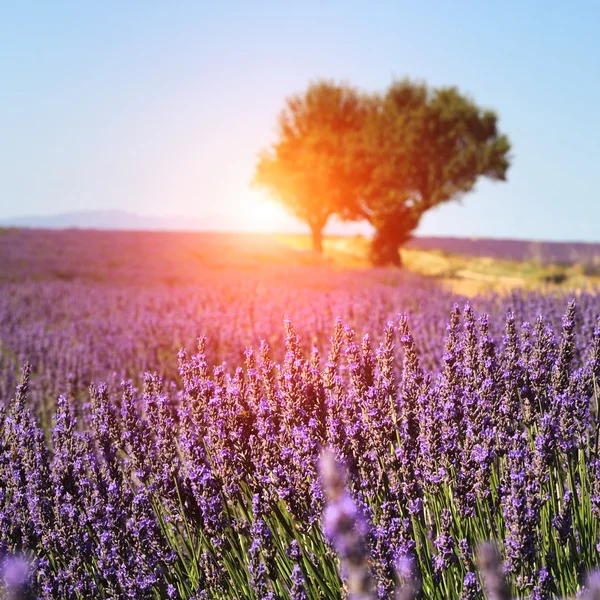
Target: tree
[308,168]
[419,148]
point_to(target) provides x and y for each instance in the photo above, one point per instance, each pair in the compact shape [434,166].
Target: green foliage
[419,149]
[307,169]
[385,159]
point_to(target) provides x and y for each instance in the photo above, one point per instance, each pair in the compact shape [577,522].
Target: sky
[160,108]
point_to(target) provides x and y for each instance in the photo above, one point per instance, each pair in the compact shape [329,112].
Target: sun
[261,214]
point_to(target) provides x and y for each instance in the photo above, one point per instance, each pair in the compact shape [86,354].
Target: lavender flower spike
[409,582]
[14,579]
[346,529]
[592,586]
[491,571]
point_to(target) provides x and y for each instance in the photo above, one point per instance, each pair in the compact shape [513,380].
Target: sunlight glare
[261,214]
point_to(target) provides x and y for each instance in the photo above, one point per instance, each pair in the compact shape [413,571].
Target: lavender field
[224,418]
[564,253]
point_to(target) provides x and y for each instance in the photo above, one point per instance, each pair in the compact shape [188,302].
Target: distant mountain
[128,221]
[114,219]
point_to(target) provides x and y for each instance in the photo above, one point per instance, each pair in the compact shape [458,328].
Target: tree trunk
[317,239]
[388,254]
[394,257]
[385,252]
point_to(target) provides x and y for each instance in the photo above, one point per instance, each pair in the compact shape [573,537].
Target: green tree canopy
[419,149]
[386,158]
[308,167]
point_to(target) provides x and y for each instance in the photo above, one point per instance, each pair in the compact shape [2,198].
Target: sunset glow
[260,214]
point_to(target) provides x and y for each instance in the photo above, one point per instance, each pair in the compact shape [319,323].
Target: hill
[111,220]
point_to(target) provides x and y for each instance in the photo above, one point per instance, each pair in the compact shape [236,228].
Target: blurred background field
[460,265]
[113,304]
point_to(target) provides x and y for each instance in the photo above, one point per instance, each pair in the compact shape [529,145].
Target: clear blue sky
[161,107]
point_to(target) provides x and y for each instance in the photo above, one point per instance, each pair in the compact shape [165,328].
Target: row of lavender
[74,333]
[566,253]
[205,485]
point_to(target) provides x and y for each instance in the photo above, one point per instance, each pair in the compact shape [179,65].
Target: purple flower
[471,588]
[297,591]
[345,527]
[444,544]
[490,566]
[15,578]
[15,572]
[521,505]
[592,586]
[409,583]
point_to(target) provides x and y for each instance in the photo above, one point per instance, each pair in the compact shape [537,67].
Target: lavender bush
[374,455]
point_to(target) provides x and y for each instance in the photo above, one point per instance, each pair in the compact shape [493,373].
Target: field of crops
[565,253]
[235,423]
